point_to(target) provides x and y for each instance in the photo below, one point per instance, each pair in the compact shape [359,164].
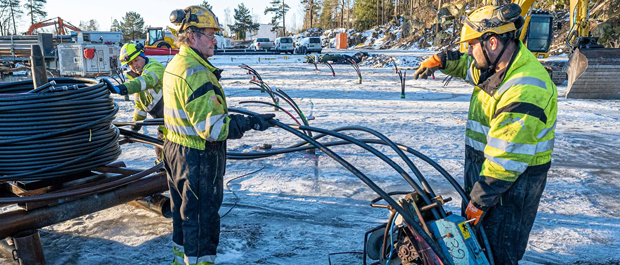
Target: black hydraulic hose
[422,192]
[330,68]
[273,105]
[58,129]
[291,103]
[400,153]
[355,66]
[294,105]
[408,218]
[302,146]
[265,89]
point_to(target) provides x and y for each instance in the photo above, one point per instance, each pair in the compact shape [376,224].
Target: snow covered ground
[299,208]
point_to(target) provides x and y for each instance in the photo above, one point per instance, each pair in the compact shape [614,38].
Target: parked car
[284,44]
[308,45]
[261,44]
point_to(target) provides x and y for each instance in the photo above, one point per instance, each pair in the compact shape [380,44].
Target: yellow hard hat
[490,19]
[194,16]
[129,52]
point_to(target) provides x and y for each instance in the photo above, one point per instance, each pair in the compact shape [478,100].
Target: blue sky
[154,12]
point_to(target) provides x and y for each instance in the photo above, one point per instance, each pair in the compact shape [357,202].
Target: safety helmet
[194,16]
[130,51]
[491,20]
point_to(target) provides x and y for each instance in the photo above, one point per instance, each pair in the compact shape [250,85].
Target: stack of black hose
[59,129]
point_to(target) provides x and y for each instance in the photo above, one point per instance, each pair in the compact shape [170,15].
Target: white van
[308,45]
[284,44]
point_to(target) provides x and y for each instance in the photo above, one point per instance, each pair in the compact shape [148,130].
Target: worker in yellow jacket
[198,124]
[145,81]
[510,127]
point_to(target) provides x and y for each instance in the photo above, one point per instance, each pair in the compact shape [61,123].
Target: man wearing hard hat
[145,80]
[196,117]
[510,127]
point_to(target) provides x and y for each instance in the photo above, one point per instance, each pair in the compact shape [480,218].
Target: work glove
[473,212]
[261,122]
[121,89]
[429,66]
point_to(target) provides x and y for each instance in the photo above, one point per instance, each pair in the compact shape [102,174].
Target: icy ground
[299,209]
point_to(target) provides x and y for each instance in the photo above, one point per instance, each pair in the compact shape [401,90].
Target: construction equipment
[59,24]
[593,69]
[156,37]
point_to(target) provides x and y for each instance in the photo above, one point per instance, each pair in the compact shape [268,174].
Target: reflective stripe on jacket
[148,90]
[512,117]
[195,108]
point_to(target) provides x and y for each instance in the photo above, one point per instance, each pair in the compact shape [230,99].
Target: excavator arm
[593,69]
[59,22]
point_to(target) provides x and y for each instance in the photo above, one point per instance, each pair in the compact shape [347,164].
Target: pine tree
[328,10]
[365,15]
[13,13]
[279,13]
[116,26]
[34,9]
[133,27]
[206,5]
[312,11]
[243,22]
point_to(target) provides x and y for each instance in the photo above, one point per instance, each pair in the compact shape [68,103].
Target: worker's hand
[261,122]
[122,90]
[473,212]
[428,67]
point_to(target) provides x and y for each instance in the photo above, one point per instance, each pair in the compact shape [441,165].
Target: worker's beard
[481,65]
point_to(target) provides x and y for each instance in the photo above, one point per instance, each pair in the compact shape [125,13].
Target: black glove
[121,89]
[262,122]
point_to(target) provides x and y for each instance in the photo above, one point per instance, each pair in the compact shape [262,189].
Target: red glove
[427,67]
[472,212]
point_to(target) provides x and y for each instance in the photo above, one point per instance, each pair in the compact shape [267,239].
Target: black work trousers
[508,224]
[195,179]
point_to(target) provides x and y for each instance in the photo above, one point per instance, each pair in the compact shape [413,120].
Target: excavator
[592,70]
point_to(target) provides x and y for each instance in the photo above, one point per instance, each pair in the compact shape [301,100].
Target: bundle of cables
[58,129]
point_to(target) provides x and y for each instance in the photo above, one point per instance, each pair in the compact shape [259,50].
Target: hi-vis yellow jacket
[512,115]
[195,109]
[148,90]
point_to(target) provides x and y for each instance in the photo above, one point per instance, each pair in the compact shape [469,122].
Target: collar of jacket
[189,51]
[493,82]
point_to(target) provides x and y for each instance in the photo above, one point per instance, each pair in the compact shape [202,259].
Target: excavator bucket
[594,74]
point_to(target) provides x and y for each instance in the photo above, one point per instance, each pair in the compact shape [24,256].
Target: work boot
[179,254]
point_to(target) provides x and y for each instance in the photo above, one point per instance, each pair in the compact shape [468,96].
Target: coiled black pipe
[61,128]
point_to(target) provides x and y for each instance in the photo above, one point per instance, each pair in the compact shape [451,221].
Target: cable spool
[58,129]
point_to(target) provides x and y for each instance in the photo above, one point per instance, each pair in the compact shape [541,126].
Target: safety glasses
[206,35]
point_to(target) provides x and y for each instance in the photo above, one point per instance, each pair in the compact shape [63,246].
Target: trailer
[84,54]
